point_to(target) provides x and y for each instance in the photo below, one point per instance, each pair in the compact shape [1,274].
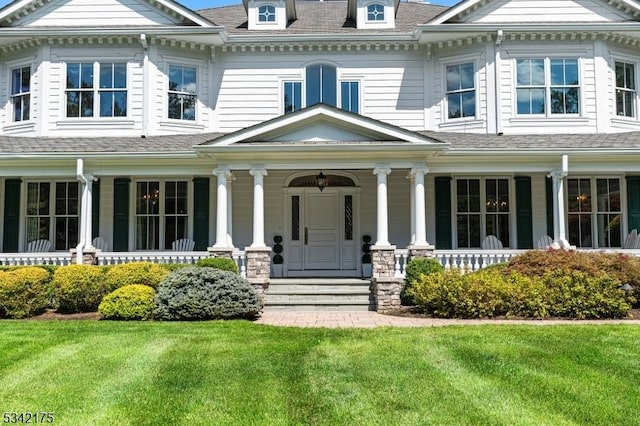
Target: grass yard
[239,373]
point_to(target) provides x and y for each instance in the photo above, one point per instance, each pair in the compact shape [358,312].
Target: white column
[383,219]
[221,212]
[230,180]
[419,205]
[413,207]
[87,196]
[559,213]
[258,207]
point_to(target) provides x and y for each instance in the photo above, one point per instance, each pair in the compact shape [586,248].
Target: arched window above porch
[311,181]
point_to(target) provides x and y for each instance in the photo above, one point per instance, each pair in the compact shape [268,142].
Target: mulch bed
[50,314]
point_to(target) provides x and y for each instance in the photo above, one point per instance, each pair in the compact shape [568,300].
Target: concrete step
[318,294]
[316,308]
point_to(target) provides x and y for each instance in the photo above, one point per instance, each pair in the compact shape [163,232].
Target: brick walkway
[373,319]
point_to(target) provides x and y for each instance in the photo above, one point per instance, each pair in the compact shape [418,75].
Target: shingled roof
[322,17]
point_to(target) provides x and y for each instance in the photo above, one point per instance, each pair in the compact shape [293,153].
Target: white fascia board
[307,38]
[13,7]
[294,147]
[186,13]
[525,27]
[119,155]
[106,31]
[545,152]
[455,10]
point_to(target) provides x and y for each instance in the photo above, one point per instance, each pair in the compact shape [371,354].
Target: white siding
[514,11]
[96,13]
[250,88]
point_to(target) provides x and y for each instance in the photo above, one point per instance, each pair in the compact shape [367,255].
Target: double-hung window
[482,208]
[20,93]
[161,213]
[53,213]
[547,86]
[625,89]
[350,96]
[605,213]
[292,96]
[182,92]
[104,96]
[461,91]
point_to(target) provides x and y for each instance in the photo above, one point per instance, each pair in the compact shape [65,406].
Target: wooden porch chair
[100,244]
[491,242]
[631,241]
[184,244]
[39,246]
[544,242]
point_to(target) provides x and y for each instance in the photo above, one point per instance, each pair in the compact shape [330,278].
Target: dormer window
[375,12]
[267,13]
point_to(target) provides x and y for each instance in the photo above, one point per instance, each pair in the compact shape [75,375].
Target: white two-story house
[431,128]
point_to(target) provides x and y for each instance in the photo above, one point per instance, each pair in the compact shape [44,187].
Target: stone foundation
[88,257]
[386,292]
[259,268]
[383,261]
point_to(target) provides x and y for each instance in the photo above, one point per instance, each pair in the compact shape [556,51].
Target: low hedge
[221,263]
[77,288]
[416,267]
[131,302]
[201,293]
[145,273]
[23,292]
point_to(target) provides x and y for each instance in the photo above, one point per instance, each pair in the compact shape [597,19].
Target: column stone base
[386,292]
[383,261]
[88,256]
[421,251]
[221,252]
[259,268]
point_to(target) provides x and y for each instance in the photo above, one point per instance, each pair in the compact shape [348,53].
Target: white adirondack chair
[100,244]
[184,244]
[631,241]
[544,242]
[39,246]
[491,242]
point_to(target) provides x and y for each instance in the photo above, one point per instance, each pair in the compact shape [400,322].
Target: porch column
[382,238]
[230,180]
[418,173]
[222,174]
[559,213]
[413,207]
[258,206]
[87,196]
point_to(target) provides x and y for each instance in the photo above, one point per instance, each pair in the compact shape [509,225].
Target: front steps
[319,294]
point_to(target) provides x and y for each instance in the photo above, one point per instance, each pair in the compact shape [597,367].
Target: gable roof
[21,9]
[460,13]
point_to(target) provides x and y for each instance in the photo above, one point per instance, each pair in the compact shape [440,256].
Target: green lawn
[213,373]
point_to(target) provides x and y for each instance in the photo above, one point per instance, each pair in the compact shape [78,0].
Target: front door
[320,237]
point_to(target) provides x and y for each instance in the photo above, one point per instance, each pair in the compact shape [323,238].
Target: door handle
[306,236]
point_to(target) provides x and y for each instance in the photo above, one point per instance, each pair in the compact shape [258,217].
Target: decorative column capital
[222,172]
[419,169]
[557,174]
[258,171]
[382,171]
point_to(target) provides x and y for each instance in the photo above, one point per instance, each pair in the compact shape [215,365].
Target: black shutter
[633,202]
[201,213]
[524,214]
[11,215]
[549,195]
[95,209]
[443,212]
[121,214]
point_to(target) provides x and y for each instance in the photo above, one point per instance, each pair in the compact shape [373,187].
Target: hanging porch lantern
[321,181]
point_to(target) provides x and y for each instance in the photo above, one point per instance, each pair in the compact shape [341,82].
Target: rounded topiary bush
[200,293]
[23,292]
[77,288]
[221,263]
[416,267]
[146,273]
[131,302]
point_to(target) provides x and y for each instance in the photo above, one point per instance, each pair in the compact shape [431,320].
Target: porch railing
[116,258]
[47,258]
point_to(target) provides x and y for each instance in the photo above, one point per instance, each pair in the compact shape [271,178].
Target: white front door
[321,230]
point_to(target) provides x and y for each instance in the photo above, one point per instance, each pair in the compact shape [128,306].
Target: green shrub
[173,266]
[23,292]
[199,293]
[131,302]
[145,273]
[416,267]
[77,288]
[221,263]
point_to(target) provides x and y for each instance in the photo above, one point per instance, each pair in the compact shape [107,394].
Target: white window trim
[372,21]
[547,86]
[201,74]
[275,13]
[483,209]
[281,95]
[445,103]
[10,66]
[594,212]
[346,79]
[125,120]
[612,66]
[161,233]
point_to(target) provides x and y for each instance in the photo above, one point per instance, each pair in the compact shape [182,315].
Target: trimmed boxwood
[23,292]
[131,302]
[416,267]
[77,288]
[146,273]
[202,293]
[221,263]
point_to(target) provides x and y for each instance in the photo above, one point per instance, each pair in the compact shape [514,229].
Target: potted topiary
[276,262]
[366,256]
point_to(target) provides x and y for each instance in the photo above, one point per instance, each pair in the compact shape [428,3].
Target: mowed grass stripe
[241,373]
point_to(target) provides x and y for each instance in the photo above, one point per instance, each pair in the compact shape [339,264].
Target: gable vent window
[20,93]
[266,13]
[375,12]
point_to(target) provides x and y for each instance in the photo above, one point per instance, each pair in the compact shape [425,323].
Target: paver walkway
[374,319]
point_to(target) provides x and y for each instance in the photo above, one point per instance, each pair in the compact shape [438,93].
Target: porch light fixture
[321,181]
